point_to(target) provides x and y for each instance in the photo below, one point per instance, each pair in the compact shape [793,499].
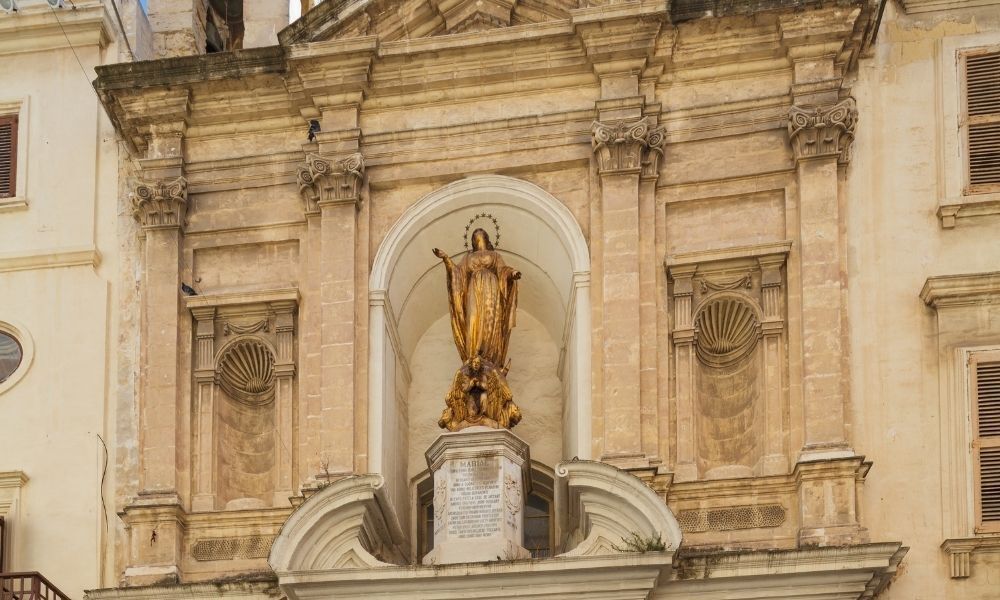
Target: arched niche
[541,238]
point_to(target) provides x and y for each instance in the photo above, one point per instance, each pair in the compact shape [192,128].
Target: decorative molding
[605,506]
[232,548]
[967,207]
[705,256]
[922,6]
[160,204]
[722,285]
[246,371]
[50,259]
[326,180]
[346,525]
[961,290]
[960,550]
[726,330]
[823,131]
[732,518]
[247,297]
[628,146]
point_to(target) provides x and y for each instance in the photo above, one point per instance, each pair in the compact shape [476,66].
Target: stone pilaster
[820,137]
[774,461]
[159,205]
[332,186]
[284,401]
[622,150]
[204,378]
[686,468]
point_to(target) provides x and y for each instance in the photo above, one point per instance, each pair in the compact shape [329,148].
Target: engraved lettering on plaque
[474,498]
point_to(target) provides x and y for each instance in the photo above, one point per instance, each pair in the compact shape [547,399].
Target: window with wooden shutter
[8,156]
[984,371]
[982,117]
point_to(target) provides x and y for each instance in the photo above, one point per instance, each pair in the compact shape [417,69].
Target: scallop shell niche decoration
[246,371]
[727,330]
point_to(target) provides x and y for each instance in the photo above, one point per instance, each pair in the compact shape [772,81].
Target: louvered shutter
[985,374]
[982,95]
[8,156]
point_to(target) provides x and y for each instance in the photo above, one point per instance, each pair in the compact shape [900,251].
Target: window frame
[975,440]
[966,121]
[23,338]
[18,109]
[11,191]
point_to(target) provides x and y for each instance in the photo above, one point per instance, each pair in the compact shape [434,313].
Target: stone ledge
[960,550]
[961,290]
[922,6]
[968,207]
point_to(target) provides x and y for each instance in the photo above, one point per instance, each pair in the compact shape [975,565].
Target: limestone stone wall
[715,270]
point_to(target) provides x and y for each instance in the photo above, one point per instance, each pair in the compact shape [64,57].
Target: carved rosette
[327,180]
[160,204]
[823,131]
[628,146]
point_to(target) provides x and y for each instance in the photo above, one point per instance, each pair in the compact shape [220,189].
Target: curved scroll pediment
[410,19]
[607,507]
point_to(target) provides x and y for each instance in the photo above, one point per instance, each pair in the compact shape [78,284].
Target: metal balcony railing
[28,586]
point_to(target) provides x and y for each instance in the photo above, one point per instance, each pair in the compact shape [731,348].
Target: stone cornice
[921,6]
[160,204]
[37,28]
[824,131]
[961,290]
[50,259]
[327,180]
[628,147]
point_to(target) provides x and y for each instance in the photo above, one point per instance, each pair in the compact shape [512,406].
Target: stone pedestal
[481,477]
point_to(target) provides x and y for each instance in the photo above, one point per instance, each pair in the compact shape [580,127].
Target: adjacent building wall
[907,164]
[59,290]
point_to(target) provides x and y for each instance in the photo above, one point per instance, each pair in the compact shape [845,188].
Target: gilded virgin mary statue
[482,296]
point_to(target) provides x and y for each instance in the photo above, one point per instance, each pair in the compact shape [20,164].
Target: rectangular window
[8,156]
[984,372]
[982,117]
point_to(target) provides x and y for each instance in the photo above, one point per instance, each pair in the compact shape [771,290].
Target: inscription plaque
[474,498]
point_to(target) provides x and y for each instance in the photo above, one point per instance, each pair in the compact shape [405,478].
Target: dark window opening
[224,26]
[8,156]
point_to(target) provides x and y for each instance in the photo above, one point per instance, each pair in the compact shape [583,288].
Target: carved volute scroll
[816,132]
[628,146]
[159,204]
[328,180]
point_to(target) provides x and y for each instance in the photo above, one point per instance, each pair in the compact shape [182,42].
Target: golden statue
[482,295]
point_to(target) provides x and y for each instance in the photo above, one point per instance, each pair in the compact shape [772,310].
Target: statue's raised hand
[439,253]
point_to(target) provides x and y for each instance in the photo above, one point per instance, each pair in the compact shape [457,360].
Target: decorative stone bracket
[160,204]
[817,132]
[628,147]
[346,525]
[606,507]
[328,180]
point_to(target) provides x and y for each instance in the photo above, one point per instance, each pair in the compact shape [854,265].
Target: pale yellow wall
[58,273]
[897,179]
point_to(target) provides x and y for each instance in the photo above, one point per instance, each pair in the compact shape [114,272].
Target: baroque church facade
[757,338]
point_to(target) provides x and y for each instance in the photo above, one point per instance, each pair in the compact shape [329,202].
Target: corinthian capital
[328,180]
[822,131]
[160,204]
[628,146]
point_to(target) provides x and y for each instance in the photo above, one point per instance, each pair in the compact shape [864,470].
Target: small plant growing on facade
[641,544]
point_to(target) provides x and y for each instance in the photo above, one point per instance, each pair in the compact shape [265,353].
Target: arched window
[538,516]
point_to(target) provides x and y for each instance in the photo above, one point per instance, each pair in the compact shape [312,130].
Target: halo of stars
[496,227]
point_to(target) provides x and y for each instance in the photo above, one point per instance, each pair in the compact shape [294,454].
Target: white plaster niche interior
[413,357]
